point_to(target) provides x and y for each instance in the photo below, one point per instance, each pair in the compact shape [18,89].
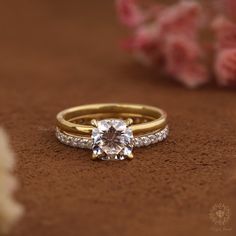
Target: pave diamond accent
[73,141]
[152,138]
[112,140]
[87,142]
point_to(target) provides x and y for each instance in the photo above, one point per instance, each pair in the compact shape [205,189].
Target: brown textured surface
[61,54]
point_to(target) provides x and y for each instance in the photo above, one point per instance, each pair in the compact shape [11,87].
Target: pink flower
[167,34]
[133,15]
[225,67]
[225,33]
[179,51]
[144,45]
[130,14]
[182,52]
[193,75]
[225,64]
[182,61]
[181,18]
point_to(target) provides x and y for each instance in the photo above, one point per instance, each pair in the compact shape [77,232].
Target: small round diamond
[146,141]
[138,142]
[74,142]
[152,137]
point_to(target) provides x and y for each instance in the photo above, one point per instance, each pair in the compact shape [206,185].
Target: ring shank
[151,118]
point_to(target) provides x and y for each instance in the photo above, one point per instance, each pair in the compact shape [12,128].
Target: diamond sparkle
[112,140]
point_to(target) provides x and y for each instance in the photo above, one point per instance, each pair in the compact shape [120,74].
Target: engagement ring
[111,130]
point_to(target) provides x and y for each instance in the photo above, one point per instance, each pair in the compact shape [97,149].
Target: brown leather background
[57,54]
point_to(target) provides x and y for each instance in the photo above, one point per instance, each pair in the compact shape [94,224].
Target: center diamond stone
[112,140]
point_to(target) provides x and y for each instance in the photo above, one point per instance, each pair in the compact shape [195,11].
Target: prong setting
[94,123]
[130,156]
[129,122]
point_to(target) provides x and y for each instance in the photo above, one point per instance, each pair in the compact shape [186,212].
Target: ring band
[111,130]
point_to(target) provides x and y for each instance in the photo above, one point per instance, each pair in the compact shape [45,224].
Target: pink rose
[193,75]
[225,33]
[144,45]
[182,61]
[181,18]
[225,67]
[179,51]
[130,14]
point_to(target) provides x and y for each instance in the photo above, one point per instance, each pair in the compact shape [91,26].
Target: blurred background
[58,54]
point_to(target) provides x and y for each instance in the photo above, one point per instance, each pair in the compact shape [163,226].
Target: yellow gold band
[77,120]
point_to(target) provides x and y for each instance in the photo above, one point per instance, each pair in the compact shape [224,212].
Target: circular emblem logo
[219,214]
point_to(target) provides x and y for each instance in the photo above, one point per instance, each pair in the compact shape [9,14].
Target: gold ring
[111,130]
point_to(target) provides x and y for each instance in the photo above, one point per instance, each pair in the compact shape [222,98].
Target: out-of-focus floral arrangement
[192,41]
[10,210]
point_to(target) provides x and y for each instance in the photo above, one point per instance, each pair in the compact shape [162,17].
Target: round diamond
[146,141]
[152,137]
[138,142]
[112,140]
